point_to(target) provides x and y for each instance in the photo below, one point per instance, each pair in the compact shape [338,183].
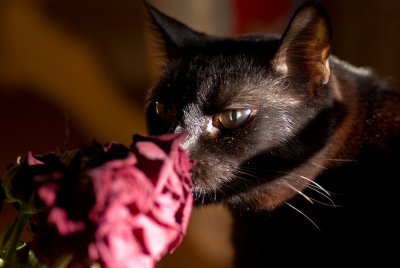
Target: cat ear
[305,45]
[175,35]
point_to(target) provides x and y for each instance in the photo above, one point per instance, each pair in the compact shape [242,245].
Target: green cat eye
[235,118]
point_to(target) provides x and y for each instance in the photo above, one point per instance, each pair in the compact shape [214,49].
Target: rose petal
[166,209]
[48,193]
[186,212]
[120,181]
[150,150]
[149,211]
[32,160]
[65,226]
[114,239]
[156,237]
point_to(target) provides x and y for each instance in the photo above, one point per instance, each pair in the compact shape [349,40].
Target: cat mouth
[209,178]
[203,197]
[204,194]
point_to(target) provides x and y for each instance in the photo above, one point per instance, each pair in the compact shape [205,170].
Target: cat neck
[371,116]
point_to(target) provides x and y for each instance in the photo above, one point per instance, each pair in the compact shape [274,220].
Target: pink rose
[32,161]
[113,205]
[143,203]
[65,226]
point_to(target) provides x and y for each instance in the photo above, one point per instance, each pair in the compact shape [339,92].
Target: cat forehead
[206,77]
[222,58]
[218,65]
[255,45]
[214,89]
[231,72]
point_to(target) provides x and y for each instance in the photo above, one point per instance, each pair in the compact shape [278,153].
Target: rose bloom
[143,203]
[136,211]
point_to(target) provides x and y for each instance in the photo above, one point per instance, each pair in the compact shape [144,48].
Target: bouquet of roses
[99,206]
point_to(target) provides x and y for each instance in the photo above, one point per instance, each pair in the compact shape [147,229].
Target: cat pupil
[238,116]
[235,118]
[235,115]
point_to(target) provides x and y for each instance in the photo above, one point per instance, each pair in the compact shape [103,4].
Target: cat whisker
[243,172]
[317,188]
[337,160]
[210,195]
[310,184]
[203,195]
[313,183]
[304,215]
[300,176]
[236,177]
[195,193]
[221,191]
[300,193]
[326,204]
[312,200]
[332,203]
[317,165]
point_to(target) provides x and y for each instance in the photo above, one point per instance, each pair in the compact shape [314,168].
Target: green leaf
[30,207]
[7,184]
[67,156]
[5,237]
[33,260]
[63,261]
[10,244]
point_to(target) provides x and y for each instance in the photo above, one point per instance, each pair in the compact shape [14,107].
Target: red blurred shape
[250,13]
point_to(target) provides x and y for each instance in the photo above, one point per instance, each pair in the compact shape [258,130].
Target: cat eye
[163,111]
[235,118]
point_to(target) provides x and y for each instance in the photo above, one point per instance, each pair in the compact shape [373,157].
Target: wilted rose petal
[183,215]
[48,193]
[120,181]
[155,236]
[151,150]
[143,206]
[115,243]
[125,208]
[33,160]
[166,209]
[65,226]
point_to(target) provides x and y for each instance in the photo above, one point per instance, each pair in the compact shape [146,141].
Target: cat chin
[266,197]
[258,200]
[207,193]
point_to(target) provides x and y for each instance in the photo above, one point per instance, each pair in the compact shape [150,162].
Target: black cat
[303,148]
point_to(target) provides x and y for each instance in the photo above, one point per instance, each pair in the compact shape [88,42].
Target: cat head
[253,106]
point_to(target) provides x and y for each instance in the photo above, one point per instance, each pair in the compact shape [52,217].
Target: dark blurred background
[94,60]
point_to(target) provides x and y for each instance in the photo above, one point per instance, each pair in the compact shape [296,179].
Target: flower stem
[11,246]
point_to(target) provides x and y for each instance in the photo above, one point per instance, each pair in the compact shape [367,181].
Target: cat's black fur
[310,177]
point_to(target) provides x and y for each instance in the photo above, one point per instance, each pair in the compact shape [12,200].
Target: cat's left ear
[176,36]
[305,45]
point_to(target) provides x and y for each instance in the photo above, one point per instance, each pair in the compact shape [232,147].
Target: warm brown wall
[95,59]
[367,33]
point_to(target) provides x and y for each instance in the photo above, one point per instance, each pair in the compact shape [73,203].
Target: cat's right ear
[174,34]
[305,46]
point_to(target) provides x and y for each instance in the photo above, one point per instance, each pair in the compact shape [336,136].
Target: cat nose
[187,143]
[189,140]
[179,129]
